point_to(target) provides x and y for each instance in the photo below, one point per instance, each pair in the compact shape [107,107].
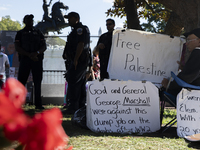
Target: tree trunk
[187,10]
[131,15]
[174,25]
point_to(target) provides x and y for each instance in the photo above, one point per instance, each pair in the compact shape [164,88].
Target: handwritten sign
[138,55]
[122,107]
[188,109]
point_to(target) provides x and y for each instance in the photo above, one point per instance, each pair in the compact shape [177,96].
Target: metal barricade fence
[53,77]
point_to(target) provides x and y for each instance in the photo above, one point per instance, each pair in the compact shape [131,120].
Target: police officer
[77,51]
[104,46]
[30,44]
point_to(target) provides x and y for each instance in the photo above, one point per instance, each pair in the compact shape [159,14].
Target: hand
[35,58]
[33,54]
[165,82]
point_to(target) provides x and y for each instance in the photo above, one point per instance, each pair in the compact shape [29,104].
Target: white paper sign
[138,55]
[122,107]
[188,112]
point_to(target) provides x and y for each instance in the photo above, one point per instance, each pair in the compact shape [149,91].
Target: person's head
[28,20]
[110,24]
[192,39]
[73,18]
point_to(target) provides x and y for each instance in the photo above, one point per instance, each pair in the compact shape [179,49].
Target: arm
[7,66]
[78,53]
[191,69]
[41,50]
[20,50]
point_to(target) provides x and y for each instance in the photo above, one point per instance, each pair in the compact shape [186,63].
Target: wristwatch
[38,52]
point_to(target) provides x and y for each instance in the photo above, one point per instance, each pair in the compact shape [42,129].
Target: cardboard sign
[122,107]
[138,55]
[188,108]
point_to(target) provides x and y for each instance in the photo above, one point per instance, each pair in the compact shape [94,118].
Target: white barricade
[122,107]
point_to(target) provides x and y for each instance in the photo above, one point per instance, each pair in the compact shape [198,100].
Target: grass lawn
[84,139]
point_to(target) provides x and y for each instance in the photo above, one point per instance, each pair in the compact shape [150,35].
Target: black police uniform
[76,92]
[31,41]
[104,54]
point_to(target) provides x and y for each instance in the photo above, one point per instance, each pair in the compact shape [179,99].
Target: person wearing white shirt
[4,64]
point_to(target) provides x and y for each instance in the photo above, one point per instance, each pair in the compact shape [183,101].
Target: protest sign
[138,55]
[188,108]
[122,107]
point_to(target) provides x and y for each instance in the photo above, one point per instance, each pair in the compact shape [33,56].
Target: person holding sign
[191,71]
[104,46]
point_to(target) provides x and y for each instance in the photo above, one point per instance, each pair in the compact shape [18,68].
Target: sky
[92,12]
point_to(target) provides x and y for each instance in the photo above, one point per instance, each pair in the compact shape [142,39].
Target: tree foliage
[170,17]
[155,14]
[7,24]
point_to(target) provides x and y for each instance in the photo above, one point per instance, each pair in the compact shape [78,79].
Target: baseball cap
[72,14]
[195,32]
[27,16]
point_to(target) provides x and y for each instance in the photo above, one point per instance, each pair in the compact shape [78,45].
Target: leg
[24,70]
[37,72]
[83,94]
[76,81]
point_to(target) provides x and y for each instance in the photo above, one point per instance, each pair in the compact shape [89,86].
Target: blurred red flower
[42,132]
[15,91]
[45,131]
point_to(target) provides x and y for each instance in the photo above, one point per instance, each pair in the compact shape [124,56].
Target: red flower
[8,111]
[15,128]
[45,132]
[15,91]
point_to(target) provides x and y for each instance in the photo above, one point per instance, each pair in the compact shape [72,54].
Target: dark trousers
[76,92]
[103,71]
[36,67]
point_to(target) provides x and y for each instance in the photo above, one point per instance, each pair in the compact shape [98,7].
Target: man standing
[191,70]
[104,46]
[77,51]
[30,44]
[4,67]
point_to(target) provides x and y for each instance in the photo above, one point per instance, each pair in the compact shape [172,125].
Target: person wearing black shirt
[103,47]
[190,73]
[30,44]
[77,52]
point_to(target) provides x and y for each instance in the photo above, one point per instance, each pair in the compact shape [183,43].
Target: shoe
[39,107]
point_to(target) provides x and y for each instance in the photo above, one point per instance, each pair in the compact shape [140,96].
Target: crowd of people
[84,65]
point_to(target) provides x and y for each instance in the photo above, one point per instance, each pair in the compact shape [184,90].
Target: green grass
[84,139]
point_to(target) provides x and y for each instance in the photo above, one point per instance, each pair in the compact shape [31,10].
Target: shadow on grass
[195,145]
[74,130]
